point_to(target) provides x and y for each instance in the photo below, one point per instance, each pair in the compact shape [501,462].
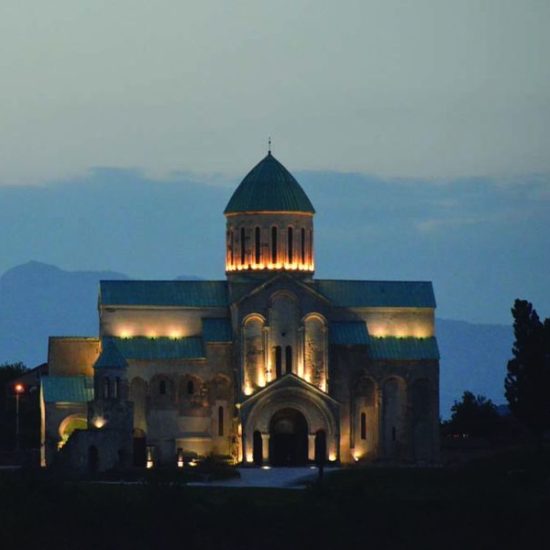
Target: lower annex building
[269,365]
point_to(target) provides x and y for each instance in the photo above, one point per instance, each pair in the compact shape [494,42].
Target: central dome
[269,187]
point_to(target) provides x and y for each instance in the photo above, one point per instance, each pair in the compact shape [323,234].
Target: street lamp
[19,390]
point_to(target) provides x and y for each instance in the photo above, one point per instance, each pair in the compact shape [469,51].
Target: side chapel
[269,366]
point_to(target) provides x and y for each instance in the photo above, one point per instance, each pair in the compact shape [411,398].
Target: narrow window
[243,249]
[274,245]
[106,388]
[290,247]
[220,421]
[231,246]
[190,387]
[310,245]
[162,387]
[278,361]
[363,426]
[257,244]
[303,245]
[288,359]
[116,393]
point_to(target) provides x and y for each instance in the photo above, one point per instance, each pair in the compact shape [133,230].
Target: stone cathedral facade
[269,366]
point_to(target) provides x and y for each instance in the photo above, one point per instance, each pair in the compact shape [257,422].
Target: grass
[500,502]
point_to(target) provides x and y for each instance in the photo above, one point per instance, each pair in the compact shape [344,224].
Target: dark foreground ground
[502,502]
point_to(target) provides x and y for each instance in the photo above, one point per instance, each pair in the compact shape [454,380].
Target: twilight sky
[430,119]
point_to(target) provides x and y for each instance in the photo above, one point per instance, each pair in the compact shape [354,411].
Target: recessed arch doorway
[288,441]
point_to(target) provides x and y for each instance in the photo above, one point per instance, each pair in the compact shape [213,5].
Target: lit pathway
[282,478]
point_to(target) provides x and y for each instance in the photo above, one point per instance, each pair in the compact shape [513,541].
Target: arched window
[220,421]
[116,393]
[162,387]
[290,246]
[288,359]
[106,388]
[190,387]
[231,247]
[243,246]
[278,361]
[363,426]
[257,246]
[274,245]
[303,242]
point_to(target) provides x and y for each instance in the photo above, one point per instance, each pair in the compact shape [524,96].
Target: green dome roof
[269,187]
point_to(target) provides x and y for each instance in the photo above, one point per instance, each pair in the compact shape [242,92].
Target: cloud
[482,243]
[432,89]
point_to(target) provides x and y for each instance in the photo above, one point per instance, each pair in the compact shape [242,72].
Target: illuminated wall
[72,356]
[269,242]
[398,322]
[126,322]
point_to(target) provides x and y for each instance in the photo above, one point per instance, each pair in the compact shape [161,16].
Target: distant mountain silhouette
[39,300]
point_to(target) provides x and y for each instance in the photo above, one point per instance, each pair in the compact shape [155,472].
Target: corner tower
[269,224]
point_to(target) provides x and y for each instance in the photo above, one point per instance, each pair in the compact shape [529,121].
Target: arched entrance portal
[288,438]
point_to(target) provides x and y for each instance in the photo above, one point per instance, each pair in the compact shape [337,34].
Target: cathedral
[269,366]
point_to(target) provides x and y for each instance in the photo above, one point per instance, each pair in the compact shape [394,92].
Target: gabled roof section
[289,380]
[164,293]
[269,187]
[110,357]
[247,291]
[67,389]
[216,330]
[159,348]
[413,349]
[377,293]
[349,334]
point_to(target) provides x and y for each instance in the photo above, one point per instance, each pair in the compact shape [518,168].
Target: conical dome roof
[269,187]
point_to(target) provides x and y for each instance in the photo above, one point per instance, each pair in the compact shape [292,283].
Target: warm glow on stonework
[99,422]
[418,330]
[294,266]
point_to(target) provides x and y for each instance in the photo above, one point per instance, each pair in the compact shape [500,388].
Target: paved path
[282,478]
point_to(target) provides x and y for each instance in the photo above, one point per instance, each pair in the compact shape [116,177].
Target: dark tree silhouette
[476,416]
[527,383]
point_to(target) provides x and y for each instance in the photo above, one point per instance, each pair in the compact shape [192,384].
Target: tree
[527,383]
[474,415]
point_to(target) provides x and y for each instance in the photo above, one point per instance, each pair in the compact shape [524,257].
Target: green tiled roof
[404,348]
[110,357]
[67,389]
[269,187]
[377,293]
[216,330]
[353,333]
[164,293]
[159,348]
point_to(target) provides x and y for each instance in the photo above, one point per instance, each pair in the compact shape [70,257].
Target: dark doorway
[257,448]
[93,459]
[140,449]
[288,359]
[320,447]
[140,452]
[288,438]
[278,361]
